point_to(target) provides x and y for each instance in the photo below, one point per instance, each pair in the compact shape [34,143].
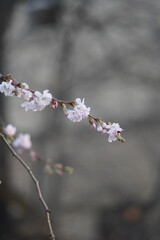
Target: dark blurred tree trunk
[6,7]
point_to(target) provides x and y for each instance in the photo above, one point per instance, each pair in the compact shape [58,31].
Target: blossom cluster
[23,143]
[113,130]
[79,112]
[36,101]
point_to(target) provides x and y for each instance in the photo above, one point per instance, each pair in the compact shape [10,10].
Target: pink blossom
[58,167]
[24,91]
[74,116]
[27,95]
[114,129]
[7,88]
[81,109]
[10,130]
[39,102]
[33,156]
[102,127]
[43,99]
[29,105]
[22,141]
[79,112]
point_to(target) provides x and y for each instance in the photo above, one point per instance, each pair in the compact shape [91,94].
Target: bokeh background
[108,52]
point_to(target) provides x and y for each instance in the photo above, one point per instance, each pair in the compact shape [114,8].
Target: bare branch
[47,210]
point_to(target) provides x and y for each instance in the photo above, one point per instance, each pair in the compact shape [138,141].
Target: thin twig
[48,212]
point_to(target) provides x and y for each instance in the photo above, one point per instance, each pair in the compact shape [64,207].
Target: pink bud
[33,156]
[93,125]
[48,169]
[58,168]
[54,103]
[20,150]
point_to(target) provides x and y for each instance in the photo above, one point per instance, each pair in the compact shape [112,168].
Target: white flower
[27,95]
[81,109]
[24,91]
[114,129]
[29,106]
[39,102]
[79,112]
[42,100]
[46,97]
[7,88]
[22,141]
[10,130]
[25,85]
[74,116]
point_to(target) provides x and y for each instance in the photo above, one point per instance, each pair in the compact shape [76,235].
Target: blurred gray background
[108,52]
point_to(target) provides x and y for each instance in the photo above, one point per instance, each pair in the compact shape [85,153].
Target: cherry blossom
[10,130]
[74,116]
[102,127]
[114,130]
[39,102]
[23,141]
[27,95]
[29,105]
[7,88]
[79,112]
[81,109]
[42,100]
[24,91]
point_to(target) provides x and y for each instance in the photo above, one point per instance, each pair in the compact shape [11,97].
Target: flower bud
[33,156]
[92,123]
[99,128]
[65,110]
[48,169]
[120,138]
[54,104]
[68,170]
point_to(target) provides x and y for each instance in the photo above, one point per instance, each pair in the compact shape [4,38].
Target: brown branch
[48,212]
